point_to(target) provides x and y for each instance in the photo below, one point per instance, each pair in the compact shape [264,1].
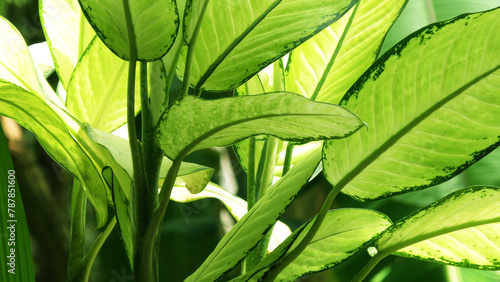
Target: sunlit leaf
[461,229]
[343,233]
[243,237]
[418,14]
[199,124]
[26,97]
[432,110]
[239,38]
[155,25]
[68,34]
[40,53]
[235,205]
[315,70]
[97,89]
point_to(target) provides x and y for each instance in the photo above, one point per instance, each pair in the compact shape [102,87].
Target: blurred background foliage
[192,230]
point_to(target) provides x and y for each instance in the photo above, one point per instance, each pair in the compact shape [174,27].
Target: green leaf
[122,211]
[343,233]
[461,229]
[40,53]
[155,25]
[68,34]
[16,65]
[235,205]
[116,153]
[322,69]
[201,124]
[245,235]
[35,114]
[460,274]
[26,97]
[77,230]
[237,40]
[96,91]
[418,14]
[15,249]
[431,106]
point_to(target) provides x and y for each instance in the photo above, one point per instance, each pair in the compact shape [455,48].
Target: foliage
[311,94]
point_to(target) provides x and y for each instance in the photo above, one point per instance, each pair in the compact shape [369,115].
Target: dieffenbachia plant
[376,126]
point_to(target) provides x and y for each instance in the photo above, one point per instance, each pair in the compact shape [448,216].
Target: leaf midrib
[235,43]
[406,129]
[211,132]
[437,233]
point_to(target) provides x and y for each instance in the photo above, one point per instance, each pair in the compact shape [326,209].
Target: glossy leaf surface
[461,229]
[155,25]
[68,34]
[431,106]
[97,89]
[201,124]
[26,97]
[343,233]
[239,38]
[243,237]
[317,69]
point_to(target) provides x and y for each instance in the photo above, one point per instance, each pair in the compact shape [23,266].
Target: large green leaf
[199,124]
[68,34]
[325,70]
[15,249]
[26,97]
[155,24]
[239,38]
[461,229]
[35,114]
[243,237]
[432,108]
[96,91]
[418,14]
[343,233]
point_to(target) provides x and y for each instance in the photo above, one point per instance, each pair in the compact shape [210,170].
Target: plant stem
[134,144]
[369,267]
[269,163]
[251,193]
[335,54]
[145,249]
[190,52]
[147,199]
[94,250]
[288,158]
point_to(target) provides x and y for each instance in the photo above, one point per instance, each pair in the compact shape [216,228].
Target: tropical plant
[311,94]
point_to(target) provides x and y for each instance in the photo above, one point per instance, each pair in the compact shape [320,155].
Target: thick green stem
[149,240]
[147,198]
[369,267]
[190,52]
